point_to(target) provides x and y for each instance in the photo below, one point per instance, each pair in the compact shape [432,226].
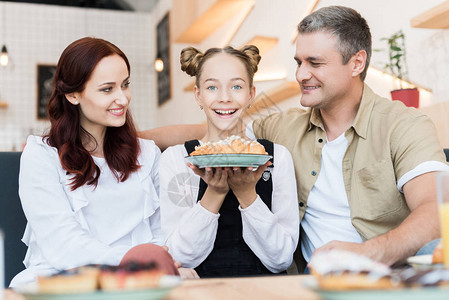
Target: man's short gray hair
[350,28]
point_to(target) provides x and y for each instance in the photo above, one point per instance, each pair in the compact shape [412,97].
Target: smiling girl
[217,220]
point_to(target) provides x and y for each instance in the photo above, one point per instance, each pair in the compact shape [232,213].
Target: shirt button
[313,173]
[301,204]
[320,140]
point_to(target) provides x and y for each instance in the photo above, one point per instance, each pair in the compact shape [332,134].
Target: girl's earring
[76,102]
[201,107]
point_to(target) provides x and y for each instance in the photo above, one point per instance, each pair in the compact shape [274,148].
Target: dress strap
[190,145]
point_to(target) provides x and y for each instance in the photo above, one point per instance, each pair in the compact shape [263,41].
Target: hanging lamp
[4,59]
[159,63]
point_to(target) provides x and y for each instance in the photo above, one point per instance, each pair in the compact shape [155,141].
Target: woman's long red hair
[121,147]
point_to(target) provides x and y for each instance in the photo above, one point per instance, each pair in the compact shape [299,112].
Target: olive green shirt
[386,141]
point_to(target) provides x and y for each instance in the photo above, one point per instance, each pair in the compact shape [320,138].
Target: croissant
[233,144]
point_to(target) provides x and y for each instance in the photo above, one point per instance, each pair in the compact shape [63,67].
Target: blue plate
[149,294]
[228,160]
[427,293]
[421,293]
[167,284]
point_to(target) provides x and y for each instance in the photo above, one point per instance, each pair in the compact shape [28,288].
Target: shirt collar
[361,121]
[315,119]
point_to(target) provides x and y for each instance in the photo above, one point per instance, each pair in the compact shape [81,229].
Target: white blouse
[89,225]
[189,229]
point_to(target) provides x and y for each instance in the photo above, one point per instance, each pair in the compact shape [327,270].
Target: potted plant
[397,65]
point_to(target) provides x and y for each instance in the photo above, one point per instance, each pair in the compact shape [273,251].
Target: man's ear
[72,98]
[358,62]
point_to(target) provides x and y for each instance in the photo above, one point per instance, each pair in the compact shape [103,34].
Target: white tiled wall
[37,34]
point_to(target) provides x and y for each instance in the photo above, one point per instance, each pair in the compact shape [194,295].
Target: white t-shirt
[327,215]
[190,229]
[68,228]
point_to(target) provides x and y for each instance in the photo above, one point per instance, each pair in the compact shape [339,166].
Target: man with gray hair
[364,164]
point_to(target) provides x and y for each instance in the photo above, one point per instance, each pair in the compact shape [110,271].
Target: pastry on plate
[130,276]
[233,144]
[425,278]
[342,270]
[77,280]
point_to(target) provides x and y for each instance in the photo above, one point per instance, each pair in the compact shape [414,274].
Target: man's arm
[419,228]
[167,136]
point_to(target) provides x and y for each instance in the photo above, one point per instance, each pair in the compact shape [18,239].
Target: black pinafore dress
[231,256]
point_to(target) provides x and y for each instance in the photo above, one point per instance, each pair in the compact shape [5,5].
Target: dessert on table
[231,145]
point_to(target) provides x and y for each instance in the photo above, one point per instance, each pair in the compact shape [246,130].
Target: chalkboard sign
[163,52]
[45,74]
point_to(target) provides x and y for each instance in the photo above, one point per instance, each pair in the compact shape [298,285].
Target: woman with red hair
[89,188]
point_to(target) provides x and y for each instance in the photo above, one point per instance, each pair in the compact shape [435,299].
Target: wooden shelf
[3,104]
[202,26]
[277,94]
[406,83]
[310,9]
[189,87]
[434,18]
[264,43]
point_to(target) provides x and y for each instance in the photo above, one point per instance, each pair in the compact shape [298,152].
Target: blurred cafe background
[34,33]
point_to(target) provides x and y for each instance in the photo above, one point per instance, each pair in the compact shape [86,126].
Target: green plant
[397,63]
